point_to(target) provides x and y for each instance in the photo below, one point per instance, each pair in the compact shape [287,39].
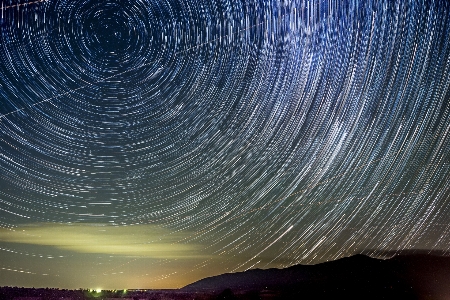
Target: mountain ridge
[407,276]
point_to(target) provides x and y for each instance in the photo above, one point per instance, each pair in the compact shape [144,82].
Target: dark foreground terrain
[416,276]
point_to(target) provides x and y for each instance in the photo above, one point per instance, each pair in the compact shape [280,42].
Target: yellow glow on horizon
[141,240]
[92,256]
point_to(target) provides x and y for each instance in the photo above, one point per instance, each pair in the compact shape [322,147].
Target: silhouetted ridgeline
[416,276]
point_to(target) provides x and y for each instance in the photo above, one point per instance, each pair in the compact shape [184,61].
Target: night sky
[151,143]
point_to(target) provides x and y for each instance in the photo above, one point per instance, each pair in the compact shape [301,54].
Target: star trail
[148,144]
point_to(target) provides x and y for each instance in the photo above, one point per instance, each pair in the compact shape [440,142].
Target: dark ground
[412,276]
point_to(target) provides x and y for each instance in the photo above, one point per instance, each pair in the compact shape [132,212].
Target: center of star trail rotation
[226,134]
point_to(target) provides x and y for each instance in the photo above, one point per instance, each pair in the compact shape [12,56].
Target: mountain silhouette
[405,276]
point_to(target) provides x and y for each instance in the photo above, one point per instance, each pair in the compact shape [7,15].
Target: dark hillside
[402,277]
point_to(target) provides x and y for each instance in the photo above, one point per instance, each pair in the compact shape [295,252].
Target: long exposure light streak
[218,136]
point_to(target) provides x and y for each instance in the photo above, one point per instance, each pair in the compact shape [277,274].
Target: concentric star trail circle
[296,131]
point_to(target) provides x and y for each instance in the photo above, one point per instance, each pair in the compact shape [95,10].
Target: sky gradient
[148,144]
